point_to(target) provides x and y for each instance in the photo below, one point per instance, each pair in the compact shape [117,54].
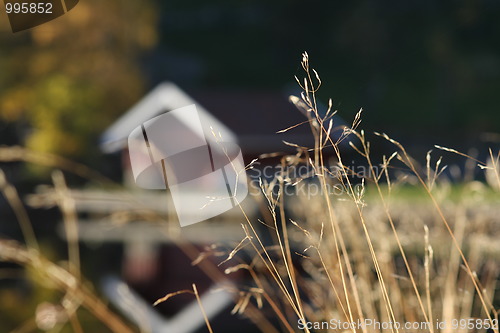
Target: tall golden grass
[366,254]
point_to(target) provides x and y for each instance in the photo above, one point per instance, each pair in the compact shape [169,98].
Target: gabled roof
[165,97]
[251,118]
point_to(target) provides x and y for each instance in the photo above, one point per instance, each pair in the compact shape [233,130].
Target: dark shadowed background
[426,72]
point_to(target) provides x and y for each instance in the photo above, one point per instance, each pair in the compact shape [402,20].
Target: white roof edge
[164,97]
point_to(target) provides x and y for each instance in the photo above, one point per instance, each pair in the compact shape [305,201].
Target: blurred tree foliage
[70,78]
[415,67]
